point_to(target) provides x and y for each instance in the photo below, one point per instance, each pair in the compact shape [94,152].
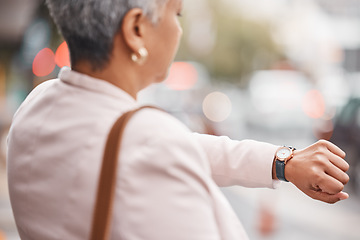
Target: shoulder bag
[101,223]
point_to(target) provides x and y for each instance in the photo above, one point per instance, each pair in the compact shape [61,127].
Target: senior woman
[167,186]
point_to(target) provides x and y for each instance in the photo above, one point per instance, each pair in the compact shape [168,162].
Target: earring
[143,54]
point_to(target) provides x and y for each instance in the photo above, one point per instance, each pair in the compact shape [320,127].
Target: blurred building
[345,8]
[15,16]
[346,16]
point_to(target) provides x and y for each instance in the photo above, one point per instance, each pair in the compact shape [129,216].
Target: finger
[335,149]
[330,185]
[337,173]
[325,197]
[339,162]
[343,195]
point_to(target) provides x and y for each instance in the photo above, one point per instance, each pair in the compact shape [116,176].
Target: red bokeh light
[182,76]
[62,56]
[44,62]
[314,104]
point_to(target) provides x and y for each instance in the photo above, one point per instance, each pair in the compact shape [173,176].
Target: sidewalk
[296,215]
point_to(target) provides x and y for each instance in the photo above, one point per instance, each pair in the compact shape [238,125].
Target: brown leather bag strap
[102,215]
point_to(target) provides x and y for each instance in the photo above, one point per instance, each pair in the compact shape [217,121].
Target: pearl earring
[141,57]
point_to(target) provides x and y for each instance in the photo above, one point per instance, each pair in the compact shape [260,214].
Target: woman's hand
[319,171]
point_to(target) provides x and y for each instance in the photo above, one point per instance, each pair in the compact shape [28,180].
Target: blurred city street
[280,71]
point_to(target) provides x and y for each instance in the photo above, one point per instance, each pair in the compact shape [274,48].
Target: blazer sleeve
[164,184]
[247,163]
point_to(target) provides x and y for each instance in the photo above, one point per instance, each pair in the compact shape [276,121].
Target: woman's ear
[132,29]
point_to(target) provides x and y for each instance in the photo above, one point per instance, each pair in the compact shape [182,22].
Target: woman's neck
[117,76]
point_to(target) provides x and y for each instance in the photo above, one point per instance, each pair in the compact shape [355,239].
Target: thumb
[342,195]
[329,198]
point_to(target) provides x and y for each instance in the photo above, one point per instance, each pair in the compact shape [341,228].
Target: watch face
[283,153]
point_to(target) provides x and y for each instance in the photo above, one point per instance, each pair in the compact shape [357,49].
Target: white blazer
[168,178]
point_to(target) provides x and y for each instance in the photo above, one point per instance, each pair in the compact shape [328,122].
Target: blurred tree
[241,46]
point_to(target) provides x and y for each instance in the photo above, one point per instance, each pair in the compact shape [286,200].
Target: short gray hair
[89,26]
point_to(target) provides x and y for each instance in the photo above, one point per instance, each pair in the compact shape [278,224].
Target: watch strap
[280,170]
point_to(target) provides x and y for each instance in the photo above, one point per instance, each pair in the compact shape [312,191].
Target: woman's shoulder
[41,87]
[36,92]
[157,121]
[158,136]
[159,129]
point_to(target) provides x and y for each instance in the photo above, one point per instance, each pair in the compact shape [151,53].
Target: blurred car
[346,135]
[276,101]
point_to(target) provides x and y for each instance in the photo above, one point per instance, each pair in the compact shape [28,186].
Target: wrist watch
[282,156]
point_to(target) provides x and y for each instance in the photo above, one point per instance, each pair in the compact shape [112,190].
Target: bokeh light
[182,76]
[323,129]
[314,104]
[217,106]
[44,62]
[62,56]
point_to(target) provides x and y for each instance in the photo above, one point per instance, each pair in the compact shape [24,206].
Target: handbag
[101,223]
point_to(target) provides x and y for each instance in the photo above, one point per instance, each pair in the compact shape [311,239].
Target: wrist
[274,170]
[289,169]
[282,157]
